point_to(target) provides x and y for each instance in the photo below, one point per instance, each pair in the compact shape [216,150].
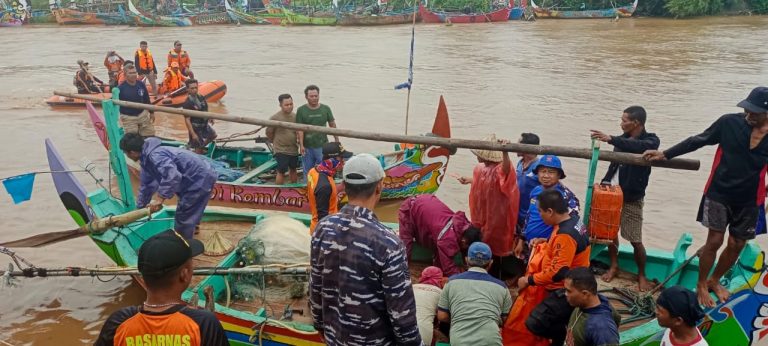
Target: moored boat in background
[622,12]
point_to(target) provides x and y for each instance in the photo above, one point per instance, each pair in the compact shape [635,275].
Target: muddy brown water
[555,78]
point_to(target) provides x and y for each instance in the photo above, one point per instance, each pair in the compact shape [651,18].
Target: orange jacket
[313,182]
[182,58]
[114,66]
[145,61]
[172,80]
[566,248]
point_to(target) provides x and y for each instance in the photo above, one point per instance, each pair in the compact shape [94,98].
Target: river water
[554,78]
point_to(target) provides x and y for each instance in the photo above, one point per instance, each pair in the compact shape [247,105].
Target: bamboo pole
[580,153]
[300,269]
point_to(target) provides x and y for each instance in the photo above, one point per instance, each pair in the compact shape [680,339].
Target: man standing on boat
[317,114]
[166,267]
[145,65]
[359,285]
[494,206]
[526,177]
[135,120]
[180,57]
[633,181]
[201,132]
[427,221]
[114,64]
[285,143]
[735,189]
[167,171]
[321,183]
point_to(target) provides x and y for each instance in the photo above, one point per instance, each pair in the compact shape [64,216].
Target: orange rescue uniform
[173,80]
[320,185]
[180,57]
[568,247]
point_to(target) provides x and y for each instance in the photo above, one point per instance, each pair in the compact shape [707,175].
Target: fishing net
[224,172]
[276,240]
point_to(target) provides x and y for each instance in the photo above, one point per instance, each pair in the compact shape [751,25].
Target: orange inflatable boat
[213,91]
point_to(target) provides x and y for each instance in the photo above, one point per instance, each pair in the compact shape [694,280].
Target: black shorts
[550,318]
[740,221]
[285,162]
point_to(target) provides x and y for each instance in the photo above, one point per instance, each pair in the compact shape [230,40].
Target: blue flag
[410,65]
[20,187]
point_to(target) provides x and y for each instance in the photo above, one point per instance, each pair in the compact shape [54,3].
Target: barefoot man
[633,181]
[735,185]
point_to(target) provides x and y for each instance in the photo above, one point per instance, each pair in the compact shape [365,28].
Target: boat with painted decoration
[552,12]
[239,16]
[741,320]
[247,181]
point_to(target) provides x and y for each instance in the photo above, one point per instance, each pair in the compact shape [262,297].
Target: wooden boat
[241,17]
[623,11]
[429,16]
[14,16]
[742,320]
[294,18]
[145,19]
[65,16]
[387,18]
[42,17]
[409,172]
[213,91]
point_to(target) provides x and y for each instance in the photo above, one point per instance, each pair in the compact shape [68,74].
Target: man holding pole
[200,131]
[735,189]
[135,120]
[167,171]
[494,202]
[633,181]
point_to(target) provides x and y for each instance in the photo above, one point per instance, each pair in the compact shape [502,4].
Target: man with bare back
[735,188]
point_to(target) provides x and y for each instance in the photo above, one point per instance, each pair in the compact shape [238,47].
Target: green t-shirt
[318,117]
[476,302]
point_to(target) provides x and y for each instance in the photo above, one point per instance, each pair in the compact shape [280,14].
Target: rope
[42,172]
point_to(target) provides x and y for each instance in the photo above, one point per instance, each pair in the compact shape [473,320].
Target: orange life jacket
[172,80]
[146,62]
[182,58]
[120,77]
[113,66]
[333,205]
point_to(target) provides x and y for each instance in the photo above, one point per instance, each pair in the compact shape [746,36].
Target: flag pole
[410,70]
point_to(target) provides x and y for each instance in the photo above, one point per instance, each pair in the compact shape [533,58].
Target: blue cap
[551,161]
[479,252]
[757,101]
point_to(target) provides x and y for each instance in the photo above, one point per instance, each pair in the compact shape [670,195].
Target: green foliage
[759,6]
[472,6]
[692,8]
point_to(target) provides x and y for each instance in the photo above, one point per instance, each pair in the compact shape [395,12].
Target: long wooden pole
[581,153]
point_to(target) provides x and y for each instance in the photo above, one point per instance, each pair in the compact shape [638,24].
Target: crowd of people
[524,232]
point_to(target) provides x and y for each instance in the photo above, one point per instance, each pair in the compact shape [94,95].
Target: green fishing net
[275,240]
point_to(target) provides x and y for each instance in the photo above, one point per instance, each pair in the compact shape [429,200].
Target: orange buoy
[605,216]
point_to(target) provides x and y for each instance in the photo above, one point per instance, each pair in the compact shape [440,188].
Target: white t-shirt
[427,297]
[667,340]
